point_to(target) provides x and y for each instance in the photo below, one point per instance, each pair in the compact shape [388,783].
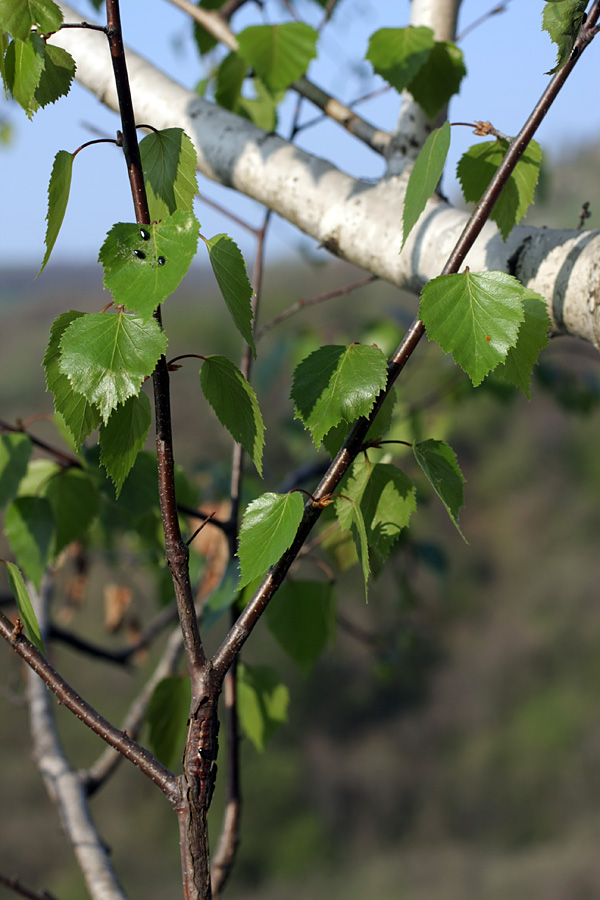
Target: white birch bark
[360,222]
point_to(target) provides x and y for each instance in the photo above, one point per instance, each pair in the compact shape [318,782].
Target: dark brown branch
[177,552]
[69,698]
[15,885]
[65,459]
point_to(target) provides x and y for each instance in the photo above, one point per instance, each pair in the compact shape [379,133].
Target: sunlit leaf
[235,405]
[425,176]
[397,54]
[143,265]
[106,357]
[58,198]
[169,166]
[230,271]
[562,19]
[23,64]
[533,337]
[336,384]
[279,54]
[479,164]
[476,318]
[268,528]
[79,415]
[24,605]
[18,17]
[56,76]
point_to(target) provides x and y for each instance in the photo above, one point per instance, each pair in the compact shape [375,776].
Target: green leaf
[386,498]
[268,528]
[425,176]
[476,318]
[439,79]
[29,527]
[533,337]
[230,271]
[301,616]
[230,77]
[168,713]
[123,436]
[263,701]
[106,357]
[562,19]
[24,605]
[4,42]
[18,17]
[15,453]
[169,166]
[479,164]
[397,54]
[143,265]
[205,41]
[336,384]
[58,198]
[262,109]
[78,414]
[356,525]
[74,500]
[235,404]
[279,54]
[438,461]
[334,439]
[23,64]
[57,75]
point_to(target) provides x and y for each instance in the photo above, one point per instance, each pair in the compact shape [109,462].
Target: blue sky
[506,59]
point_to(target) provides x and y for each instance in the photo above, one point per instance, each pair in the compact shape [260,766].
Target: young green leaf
[168,713]
[475,318]
[336,384]
[230,77]
[263,702]
[334,438]
[205,41]
[29,526]
[144,265]
[79,415]
[74,500]
[356,525]
[23,64]
[439,78]
[386,498]
[106,357]
[476,168]
[268,528]
[262,109]
[58,198]
[123,436]
[438,461]
[230,271]
[235,404]
[562,19]
[397,54]
[18,17]
[425,176]
[279,54]
[533,337]
[56,76]
[15,453]
[169,166]
[301,616]
[24,605]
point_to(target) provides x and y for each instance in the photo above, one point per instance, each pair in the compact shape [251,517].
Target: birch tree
[490,291]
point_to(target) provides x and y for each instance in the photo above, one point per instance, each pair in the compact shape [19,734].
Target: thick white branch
[359,222]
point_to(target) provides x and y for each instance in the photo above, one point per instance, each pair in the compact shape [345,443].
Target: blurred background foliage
[447,745]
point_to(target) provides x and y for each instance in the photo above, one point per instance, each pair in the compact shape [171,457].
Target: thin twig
[15,885]
[64,459]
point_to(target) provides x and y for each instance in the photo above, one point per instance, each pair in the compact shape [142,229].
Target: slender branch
[231,6]
[312,301]
[373,137]
[177,552]
[15,885]
[121,741]
[65,459]
[499,8]
[240,632]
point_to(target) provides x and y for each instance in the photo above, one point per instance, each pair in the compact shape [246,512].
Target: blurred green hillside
[448,746]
